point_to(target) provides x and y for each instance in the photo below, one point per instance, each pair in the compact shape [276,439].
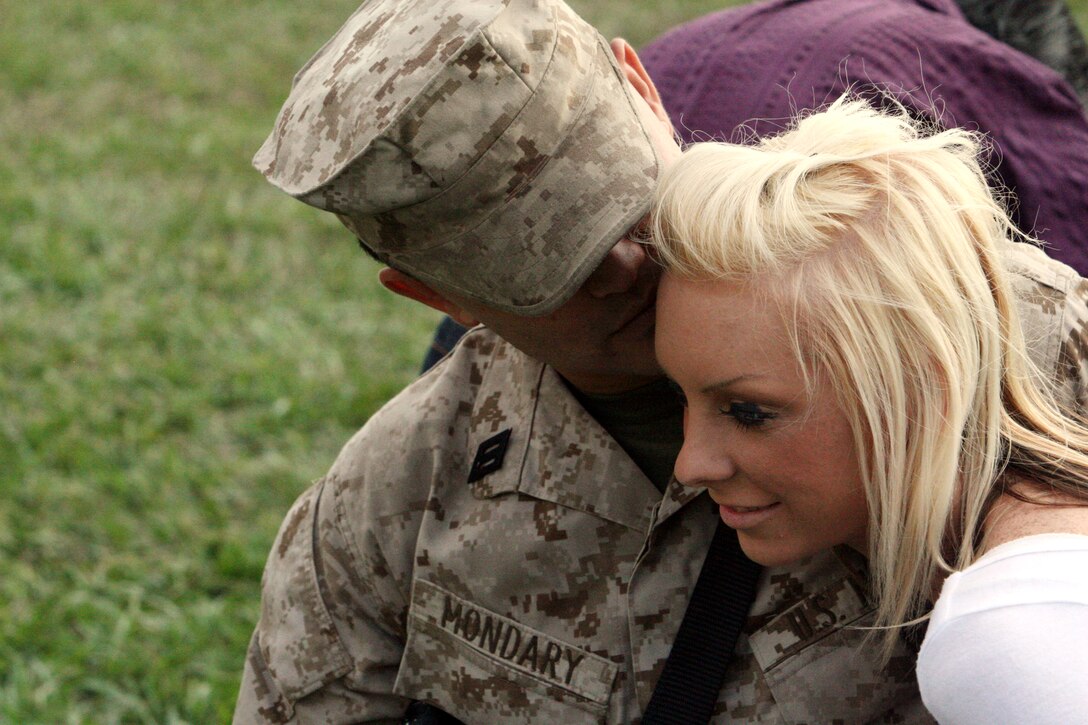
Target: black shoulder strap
[694,672]
[422,713]
[688,688]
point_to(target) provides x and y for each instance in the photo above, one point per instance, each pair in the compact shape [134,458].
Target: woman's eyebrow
[718,386]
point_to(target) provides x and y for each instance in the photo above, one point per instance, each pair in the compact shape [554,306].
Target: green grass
[182,348]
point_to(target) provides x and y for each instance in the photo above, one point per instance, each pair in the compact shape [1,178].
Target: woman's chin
[771,553]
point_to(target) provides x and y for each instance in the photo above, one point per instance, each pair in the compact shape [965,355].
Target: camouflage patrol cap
[490,148]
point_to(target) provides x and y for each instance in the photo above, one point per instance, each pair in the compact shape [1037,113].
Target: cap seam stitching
[449,187]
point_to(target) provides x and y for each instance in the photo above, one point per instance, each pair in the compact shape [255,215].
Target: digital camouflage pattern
[550,588]
[1053,309]
[489,148]
[547,591]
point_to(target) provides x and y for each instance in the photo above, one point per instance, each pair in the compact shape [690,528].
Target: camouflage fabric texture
[1053,308]
[490,148]
[550,588]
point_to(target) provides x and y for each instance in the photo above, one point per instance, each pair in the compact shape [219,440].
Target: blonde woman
[837,317]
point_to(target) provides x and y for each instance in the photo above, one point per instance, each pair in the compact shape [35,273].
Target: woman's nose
[702,462]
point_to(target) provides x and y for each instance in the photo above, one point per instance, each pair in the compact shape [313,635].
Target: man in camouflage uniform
[502,538]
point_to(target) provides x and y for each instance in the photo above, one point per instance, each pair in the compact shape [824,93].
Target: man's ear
[410,287]
[639,79]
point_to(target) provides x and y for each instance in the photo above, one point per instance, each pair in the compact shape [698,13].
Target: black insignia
[489,456]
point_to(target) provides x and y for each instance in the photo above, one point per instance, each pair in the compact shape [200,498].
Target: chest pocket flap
[820,667]
[485,667]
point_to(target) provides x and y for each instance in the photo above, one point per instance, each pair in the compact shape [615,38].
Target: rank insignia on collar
[489,456]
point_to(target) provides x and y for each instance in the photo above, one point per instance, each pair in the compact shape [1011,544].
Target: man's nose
[620,270]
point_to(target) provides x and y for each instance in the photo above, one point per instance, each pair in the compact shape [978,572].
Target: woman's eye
[748,415]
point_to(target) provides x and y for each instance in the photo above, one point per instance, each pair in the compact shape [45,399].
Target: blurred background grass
[182,348]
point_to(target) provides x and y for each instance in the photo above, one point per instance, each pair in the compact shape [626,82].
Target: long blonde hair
[879,239]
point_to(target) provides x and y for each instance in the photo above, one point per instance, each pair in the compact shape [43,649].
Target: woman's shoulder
[1008,637]
[1031,509]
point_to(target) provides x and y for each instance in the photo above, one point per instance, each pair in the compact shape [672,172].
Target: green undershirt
[647,423]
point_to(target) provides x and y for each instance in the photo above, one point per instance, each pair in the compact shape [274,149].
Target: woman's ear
[639,79]
[410,287]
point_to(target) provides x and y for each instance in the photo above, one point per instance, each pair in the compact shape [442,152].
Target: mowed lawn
[182,348]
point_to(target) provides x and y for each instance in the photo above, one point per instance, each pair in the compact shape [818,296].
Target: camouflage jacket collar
[677,495]
[556,451]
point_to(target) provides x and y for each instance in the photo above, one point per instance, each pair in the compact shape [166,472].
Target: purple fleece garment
[760,63]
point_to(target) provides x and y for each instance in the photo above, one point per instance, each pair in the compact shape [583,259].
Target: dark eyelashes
[747,415]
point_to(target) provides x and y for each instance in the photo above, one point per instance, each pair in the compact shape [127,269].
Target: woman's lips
[745,517]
